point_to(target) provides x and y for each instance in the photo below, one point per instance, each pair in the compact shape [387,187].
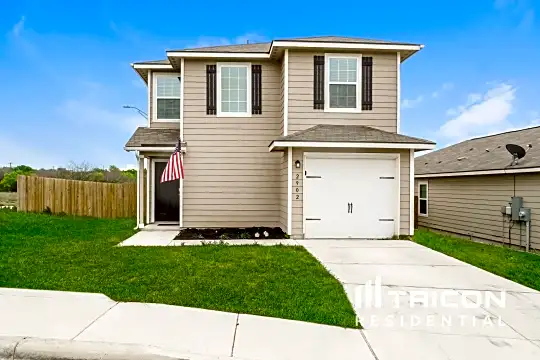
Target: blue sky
[65,69]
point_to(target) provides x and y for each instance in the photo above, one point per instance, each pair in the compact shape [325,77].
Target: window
[342,83]
[423,199]
[234,89]
[167,97]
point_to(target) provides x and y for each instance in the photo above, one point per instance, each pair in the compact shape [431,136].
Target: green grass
[8,198]
[518,266]
[77,254]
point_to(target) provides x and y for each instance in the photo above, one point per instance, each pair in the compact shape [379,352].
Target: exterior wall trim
[219,112]
[411,193]
[152,66]
[153,149]
[358,108]
[154,97]
[286,94]
[181,182]
[398,105]
[153,183]
[289,190]
[339,45]
[150,87]
[427,199]
[193,54]
[481,172]
[353,145]
[326,155]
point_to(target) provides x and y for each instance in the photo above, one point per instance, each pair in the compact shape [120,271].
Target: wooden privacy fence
[73,197]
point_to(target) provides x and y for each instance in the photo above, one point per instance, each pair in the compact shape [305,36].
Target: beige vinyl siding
[470,206]
[153,123]
[232,180]
[298,191]
[283,191]
[301,112]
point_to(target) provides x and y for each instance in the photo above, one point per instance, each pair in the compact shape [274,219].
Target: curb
[23,348]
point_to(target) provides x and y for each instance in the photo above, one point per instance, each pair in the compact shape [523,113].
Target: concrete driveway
[432,306]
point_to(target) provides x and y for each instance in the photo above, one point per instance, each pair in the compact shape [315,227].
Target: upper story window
[342,84]
[233,89]
[167,97]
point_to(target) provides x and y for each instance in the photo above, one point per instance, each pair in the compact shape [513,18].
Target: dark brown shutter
[211,89]
[318,82]
[256,89]
[367,83]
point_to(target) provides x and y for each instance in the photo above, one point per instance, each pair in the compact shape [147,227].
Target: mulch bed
[230,233]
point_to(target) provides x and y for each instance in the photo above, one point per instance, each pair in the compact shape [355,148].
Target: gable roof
[487,153]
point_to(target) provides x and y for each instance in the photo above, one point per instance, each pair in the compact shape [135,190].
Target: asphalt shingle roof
[350,133]
[265,47]
[148,137]
[484,153]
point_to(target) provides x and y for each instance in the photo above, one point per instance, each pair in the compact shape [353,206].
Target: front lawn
[518,266]
[40,251]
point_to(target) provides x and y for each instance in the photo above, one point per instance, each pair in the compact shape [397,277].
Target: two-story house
[301,134]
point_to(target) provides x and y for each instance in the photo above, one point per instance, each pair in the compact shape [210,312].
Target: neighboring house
[462,188]
[301,134]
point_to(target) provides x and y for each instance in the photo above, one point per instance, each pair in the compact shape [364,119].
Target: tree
[23,168]
[9,181]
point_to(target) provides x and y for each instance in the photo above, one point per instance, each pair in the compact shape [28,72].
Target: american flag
[174,169]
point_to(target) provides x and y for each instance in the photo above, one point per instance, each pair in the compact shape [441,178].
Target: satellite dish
[517,151]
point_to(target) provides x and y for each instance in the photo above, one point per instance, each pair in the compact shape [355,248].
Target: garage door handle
[386,177]
[386,219]
[313,219]
[313,177]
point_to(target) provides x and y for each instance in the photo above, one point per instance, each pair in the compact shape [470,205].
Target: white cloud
[481,113]
[205,41]
[411,103]
[18,28]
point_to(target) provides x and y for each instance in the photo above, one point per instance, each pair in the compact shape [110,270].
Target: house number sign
[296,186]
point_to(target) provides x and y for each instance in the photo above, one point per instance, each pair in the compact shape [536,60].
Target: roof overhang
[142,69]
[151,148]
[279,45]
[480,172]
[280,145]
[230,55]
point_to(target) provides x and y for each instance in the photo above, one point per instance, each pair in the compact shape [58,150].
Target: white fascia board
[339,45]
[152,66]
[149,148]
[481,172]
[351,145]
[193,54]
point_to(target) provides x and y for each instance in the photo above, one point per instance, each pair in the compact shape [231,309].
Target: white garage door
[350,197]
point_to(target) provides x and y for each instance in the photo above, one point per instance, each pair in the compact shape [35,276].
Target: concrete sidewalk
[174,330]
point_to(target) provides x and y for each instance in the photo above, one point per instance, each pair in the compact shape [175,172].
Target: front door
[167,198]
